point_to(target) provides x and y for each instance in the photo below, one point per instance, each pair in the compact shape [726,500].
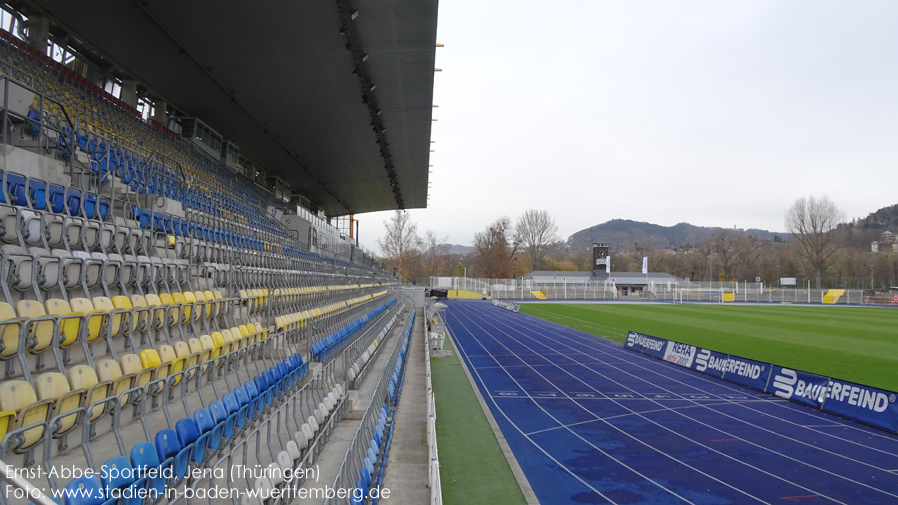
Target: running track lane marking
[696,442]
[711,477]
[705,424]
[693,376]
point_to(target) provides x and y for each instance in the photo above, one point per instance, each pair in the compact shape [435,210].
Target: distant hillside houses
[887,242]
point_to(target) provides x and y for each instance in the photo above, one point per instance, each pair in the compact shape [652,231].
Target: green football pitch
[857,344]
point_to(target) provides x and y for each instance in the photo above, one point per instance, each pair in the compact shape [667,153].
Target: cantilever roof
[282,82]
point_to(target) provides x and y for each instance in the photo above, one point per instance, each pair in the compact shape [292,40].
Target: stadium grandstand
[183,293]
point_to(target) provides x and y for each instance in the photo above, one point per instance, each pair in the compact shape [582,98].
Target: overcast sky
[713,113]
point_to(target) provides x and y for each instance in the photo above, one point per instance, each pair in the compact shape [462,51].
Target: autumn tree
[813,223]
[494,249]
[399,245]
[535,232]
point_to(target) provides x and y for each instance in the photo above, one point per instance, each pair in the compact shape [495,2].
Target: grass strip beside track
[857,344]
[472,466]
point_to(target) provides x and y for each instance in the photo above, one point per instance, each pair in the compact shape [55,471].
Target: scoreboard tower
[601,260]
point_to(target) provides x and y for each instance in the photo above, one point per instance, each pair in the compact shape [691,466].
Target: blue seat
[90,205]
[191,450]
[356,499]
[34,126]
[167,444]
[144,458]
[103,209]
[37,191]
[56,198]
[365,475]
[73,201]
[116,473]
[223,419]
[245,401]
[84,491]
[187,431]
[207,428]
[15,189]
[274,384]
[261,386]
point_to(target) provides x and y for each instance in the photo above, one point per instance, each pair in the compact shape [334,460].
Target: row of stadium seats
[183,325]
[272,482]
[238,424]
[77,220]
[168,458]
[86,122]
[336,341]
[152,324]
[359,353]
[365,460]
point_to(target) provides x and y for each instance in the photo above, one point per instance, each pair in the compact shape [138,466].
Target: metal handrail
[8,475]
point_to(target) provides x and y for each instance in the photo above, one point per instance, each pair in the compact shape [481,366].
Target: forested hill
[623,233]
[886,218]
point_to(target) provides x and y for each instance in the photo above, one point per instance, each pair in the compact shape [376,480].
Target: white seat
[301,438]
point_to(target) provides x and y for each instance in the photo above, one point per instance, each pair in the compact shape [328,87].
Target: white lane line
[725,415]
[792,407]
[623,432]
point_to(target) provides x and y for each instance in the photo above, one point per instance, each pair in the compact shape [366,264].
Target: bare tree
[433,249]
[535,232]
[400,243]
[494,249]
[732,251]
[813,221]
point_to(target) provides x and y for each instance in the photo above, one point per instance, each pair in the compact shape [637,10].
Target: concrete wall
[299,225]
[29,164]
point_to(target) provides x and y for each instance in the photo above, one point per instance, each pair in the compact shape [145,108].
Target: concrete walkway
[406,474]
[331,458]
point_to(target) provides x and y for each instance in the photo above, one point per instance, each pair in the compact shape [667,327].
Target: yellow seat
[7,421]
[167,354]
[41,331]
[182,349]
[157,313]
[54,386]
[11,324]
[262,332]
[173,313]
[230,343]
[124,303]
[68,326]
[95,318]
[202,345]
[19,396]
[220,301]
[195,304]
[105,304]
[108,370]
[132,365]
[85,377]
[206,302]
[218,343]
[239,337]
[186,307]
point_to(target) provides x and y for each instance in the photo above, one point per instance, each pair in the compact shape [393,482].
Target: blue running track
[590,422]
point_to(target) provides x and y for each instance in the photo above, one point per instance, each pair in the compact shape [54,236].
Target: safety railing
[433,457]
